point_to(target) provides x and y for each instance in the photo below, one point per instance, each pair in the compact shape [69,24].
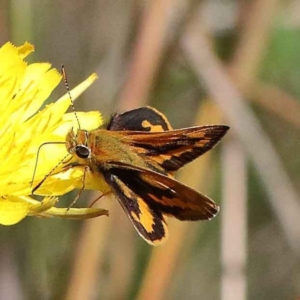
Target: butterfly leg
[102,195]
[86,168]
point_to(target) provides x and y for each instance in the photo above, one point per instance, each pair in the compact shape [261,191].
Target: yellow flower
[25,127]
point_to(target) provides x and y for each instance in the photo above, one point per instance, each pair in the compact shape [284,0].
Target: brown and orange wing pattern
[144,118]
[148,222]
[173,149]
[146,195]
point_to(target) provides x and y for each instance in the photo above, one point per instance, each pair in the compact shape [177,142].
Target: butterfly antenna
[37,158]
[64,74]
[50,173]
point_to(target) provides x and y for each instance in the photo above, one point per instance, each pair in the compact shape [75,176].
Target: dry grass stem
[168,257]
[90,248]
[277,101]
[146,55]
[253,39]
[254,36]
[234,221]
[246,126]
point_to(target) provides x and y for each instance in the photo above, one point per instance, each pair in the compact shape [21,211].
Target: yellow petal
[25,49]
[13,210]
[33,137]
[79,89]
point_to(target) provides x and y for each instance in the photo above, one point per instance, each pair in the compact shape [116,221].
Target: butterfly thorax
[109,147]
[100,148]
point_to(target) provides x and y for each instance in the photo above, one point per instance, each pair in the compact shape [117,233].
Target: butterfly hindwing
[140,119]
[164,194]
[149,223]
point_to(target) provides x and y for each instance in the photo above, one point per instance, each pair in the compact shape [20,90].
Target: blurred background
[199,62]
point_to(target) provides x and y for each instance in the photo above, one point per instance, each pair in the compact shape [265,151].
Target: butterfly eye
[82,151]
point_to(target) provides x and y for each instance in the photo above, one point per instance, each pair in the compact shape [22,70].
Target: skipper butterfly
[137,153]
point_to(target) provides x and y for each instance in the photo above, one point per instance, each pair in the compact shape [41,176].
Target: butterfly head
[77,143]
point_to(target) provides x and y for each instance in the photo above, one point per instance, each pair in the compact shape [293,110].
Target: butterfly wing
[148,192]
[144,118]
[150,131]
[148,222]
[173,149]
[162,193]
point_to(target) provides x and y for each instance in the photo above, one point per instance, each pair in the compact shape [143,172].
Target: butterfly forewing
[173,149]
